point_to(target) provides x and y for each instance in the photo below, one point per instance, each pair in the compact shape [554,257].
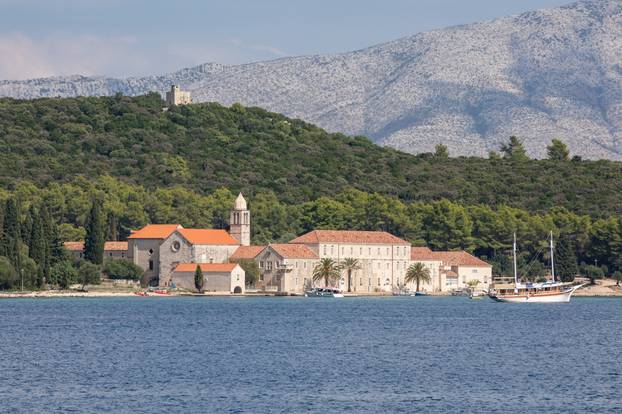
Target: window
[324,250]
[175,246]
[261,264]
[343,250]
[369,251]
[361,251]
[122,254]
[261,277]
[388,251]
[110,254]
[331,249]
[269,265]
[237,277]
[361,282]
[378,251]
[351,250]
[150,264]
[369,281]
[296,282]
[378,281]
[150,252]
[474,270]
[304,265]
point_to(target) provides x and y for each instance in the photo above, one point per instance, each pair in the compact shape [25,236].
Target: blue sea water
[355,355]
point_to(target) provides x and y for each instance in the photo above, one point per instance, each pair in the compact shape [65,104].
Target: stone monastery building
[170,254]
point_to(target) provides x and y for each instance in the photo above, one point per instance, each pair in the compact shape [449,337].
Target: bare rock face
[553,73]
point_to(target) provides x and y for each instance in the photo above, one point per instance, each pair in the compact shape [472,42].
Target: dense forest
[205,147]
[139,164]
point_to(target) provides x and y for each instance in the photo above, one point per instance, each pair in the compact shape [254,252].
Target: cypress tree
[11,235]
[112,227]
[566,259]
[27,225]
[95,235]
[198,279]
[37,249]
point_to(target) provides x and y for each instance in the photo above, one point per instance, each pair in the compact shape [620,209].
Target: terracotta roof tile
[74,246]
[294,251]
[78,246]
[422,254]
[155,231]
[246,252]
[348,236]
[459,258]
[206,267]
[208,236]
[115,246]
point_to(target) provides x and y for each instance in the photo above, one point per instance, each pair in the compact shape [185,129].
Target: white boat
[546,292]
[323,293]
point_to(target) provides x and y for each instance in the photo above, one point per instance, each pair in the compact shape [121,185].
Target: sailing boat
[546,292]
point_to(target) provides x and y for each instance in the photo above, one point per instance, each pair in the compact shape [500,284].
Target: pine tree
[566,266]
[514,150]
[27,225]
[441,151]
[557,151]
[198,279]
[94,241]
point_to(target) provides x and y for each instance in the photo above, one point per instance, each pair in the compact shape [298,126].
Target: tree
[557,151]
[63,274]
[514,150]
[617,276]
[251,270]
[11,235]
[199,280]
[326,270]
[122,269]
[95,235]
[37,250]
[350,265]
[88,274]
[418,273]
[8,276]
[566,266]
[593,272]
[440,151]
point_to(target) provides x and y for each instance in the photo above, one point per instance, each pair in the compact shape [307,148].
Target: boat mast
[552,260]
[514,254]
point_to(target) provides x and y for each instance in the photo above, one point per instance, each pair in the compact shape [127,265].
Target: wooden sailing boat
[546,292]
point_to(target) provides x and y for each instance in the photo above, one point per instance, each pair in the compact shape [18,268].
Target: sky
[123,38]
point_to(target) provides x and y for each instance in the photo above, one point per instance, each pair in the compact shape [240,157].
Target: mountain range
[554,73]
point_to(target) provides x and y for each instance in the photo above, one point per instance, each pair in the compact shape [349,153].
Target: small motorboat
[421,294]
[323,293]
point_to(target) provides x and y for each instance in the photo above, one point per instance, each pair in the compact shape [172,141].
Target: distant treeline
[442,225]
[205,147]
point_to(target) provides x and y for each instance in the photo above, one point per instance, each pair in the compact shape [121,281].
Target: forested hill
[207,146]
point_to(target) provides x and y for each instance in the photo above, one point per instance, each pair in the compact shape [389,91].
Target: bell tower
[240,222]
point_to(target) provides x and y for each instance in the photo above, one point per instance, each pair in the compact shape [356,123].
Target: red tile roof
[208,236]
[421,254]
[74,246]
[155,231]
[115,246]
[78,246]
[246,252]
[206,267]
[294,251]
[459,258]
[348,236]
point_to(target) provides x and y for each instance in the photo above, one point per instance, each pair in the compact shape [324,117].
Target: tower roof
[240,202]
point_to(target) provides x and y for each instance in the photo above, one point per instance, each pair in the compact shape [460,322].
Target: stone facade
[177,97]
[217,278]
[240,222]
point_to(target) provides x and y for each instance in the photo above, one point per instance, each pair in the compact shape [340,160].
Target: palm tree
[327,269]
[350,265]
[417,272]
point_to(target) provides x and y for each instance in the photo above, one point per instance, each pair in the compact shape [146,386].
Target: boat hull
[553,297]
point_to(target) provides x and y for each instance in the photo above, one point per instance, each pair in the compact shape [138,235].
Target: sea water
[356,355]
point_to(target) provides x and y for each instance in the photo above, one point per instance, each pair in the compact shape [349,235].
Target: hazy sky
[138,37]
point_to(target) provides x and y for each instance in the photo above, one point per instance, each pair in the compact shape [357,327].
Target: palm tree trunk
[350,280]
[417,285]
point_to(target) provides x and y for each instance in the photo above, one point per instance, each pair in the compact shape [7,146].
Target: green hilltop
[204,147]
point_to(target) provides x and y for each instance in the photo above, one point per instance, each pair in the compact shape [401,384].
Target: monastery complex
[170,254]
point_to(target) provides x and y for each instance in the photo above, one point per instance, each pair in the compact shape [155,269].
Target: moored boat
[546,292]
[324,293]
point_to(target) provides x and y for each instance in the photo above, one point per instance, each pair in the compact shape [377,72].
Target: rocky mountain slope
[553,73]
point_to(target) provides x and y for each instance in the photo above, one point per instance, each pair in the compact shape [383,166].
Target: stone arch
[237,289]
